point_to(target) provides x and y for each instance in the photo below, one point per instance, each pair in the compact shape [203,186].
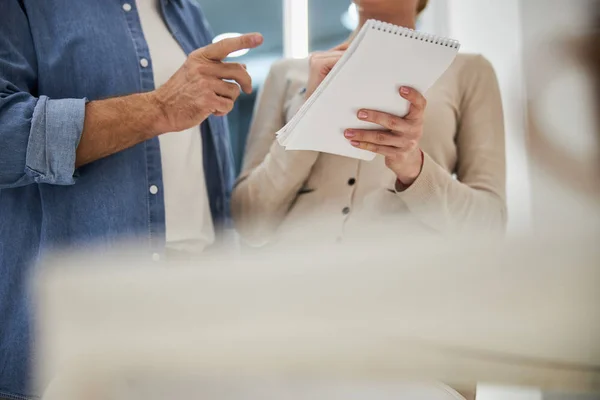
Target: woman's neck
[406,19]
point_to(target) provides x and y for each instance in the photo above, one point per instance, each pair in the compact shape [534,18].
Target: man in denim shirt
[82,106]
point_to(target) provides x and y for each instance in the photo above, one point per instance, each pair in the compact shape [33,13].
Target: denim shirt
[55,55]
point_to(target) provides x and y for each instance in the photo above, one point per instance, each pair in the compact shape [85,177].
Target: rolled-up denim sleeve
[54,135]
[38,135]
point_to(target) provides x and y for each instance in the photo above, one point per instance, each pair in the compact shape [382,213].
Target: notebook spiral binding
[412,34]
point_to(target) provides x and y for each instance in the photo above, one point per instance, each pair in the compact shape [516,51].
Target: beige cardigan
[295,195]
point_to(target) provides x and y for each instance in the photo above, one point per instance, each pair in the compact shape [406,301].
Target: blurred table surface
[525,312]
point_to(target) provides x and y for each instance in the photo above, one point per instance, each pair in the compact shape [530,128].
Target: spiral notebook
[380,59]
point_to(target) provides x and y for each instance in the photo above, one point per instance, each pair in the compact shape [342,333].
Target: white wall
[435,18]
[492,28]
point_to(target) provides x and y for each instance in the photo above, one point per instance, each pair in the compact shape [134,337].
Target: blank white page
[384,60]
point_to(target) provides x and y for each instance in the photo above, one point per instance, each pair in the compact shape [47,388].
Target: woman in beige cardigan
[439,169]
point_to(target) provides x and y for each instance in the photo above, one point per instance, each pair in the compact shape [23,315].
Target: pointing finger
[220,50]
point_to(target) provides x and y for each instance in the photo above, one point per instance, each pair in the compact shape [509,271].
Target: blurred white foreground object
[522,313]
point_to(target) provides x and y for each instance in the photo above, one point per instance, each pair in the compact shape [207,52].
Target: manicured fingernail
[404,90]
[349,134]
[362,114]
[354,143]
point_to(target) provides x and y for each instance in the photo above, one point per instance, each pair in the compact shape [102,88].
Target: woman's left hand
[399,139]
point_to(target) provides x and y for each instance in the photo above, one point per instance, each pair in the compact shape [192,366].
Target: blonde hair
[422,5]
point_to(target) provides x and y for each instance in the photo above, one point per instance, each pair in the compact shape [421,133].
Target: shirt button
[127,7]
[153,189]
[346,210]
[155,257]
[351,181]
[144,63]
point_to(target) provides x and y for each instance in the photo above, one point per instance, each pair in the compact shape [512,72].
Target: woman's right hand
[320,64]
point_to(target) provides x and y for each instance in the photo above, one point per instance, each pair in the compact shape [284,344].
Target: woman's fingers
[341,47]
[378,137]
[388,121]
[418,103]
[320,65]
[329,58]
[368,140]
[399,141]
[390,152]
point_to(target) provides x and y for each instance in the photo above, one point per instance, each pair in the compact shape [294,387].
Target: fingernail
[404,90]
[349,134]
[362,114]
[354,143]
[257,39]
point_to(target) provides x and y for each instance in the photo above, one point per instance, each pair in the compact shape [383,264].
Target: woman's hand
[399,139]
[320,64]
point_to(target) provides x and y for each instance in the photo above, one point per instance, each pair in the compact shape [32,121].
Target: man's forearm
[116,124]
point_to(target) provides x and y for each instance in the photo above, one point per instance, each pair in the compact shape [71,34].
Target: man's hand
[198,89]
